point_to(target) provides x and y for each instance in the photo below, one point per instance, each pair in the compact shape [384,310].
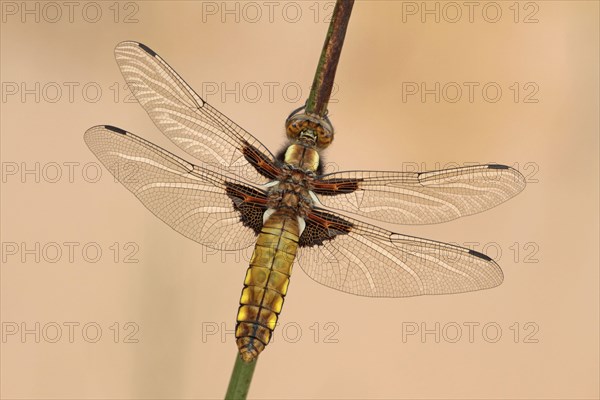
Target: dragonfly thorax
[292,191]
[302,157]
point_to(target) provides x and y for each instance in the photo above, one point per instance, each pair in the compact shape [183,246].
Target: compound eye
[324,139]
[298,123]
[293,130]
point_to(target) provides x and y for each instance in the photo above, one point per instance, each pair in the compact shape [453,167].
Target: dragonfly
[236,194]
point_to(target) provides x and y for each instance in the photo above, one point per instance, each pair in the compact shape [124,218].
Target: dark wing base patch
[331,187]
[260,162]
[249,202]
[321,226]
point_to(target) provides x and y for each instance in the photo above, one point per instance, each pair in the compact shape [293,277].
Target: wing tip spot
[147,49]
[115,129]
[480,255]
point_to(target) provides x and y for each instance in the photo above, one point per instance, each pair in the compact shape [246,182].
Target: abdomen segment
[266,282]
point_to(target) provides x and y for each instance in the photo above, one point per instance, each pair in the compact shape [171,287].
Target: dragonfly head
[311,129]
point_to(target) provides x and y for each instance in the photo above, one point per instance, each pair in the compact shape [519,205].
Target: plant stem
[241,377]
[330,56]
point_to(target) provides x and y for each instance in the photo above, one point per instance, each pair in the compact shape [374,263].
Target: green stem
[330,56]
[241,377]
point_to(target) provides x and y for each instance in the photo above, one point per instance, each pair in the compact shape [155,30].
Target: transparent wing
[186,119]
[362,259]
[201,204]
[419,197]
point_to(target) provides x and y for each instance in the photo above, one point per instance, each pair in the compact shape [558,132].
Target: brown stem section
[330,56]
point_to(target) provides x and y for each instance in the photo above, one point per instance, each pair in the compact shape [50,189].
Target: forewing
[199,203]
[358,258]
[419,197]
[190,122]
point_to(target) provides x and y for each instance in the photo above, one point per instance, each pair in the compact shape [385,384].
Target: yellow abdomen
[266,282]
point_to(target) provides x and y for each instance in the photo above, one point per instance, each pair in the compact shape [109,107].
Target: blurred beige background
[535,336]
